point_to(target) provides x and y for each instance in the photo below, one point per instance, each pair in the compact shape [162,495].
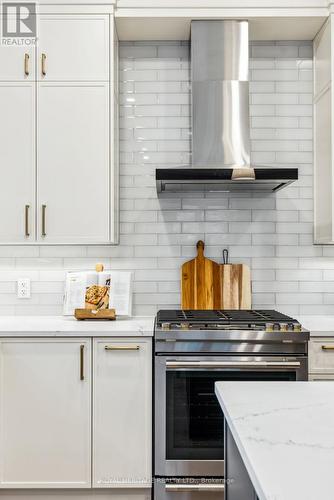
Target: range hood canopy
[220,115]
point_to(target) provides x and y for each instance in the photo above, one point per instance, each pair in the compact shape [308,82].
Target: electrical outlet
[23,289]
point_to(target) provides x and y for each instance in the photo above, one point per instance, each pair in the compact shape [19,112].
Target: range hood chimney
[220,96]
[220,115]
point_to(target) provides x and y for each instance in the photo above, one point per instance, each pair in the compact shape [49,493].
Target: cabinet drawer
[321,378]
[321,355]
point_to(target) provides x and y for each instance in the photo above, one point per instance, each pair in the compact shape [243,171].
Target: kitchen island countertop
[284,433]
[64,326]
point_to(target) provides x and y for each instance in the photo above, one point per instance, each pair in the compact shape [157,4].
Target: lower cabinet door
[122,422]
[45,413]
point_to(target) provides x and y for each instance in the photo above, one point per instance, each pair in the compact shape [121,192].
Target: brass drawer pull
[26,64]
[44,64]
[121,348]
[327,347]
[26,221]
[82,362]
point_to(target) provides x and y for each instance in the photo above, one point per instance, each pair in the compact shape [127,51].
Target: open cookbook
[98,290]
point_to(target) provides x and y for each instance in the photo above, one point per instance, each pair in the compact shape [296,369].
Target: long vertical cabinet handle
[26,221]
[43,220]
[44,64]
[26,64]
[82,362]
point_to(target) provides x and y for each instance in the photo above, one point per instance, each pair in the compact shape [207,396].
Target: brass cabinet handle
[327,347]
[26,220]
[44,64]
[82,362]
[121,348]
[26,64]
[43,220]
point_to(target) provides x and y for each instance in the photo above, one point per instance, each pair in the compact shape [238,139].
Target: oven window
[194,419]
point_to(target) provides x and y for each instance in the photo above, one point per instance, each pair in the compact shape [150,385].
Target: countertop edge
[59,326]
[253,477]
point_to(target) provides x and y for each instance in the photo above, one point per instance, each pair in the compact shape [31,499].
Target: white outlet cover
[23,288]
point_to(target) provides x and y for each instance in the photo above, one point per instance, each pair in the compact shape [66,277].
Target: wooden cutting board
[235,286]
[201,282]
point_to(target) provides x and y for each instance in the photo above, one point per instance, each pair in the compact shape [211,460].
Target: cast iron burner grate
[223,316]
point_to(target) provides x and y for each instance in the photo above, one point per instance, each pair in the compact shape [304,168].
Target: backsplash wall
[272,233]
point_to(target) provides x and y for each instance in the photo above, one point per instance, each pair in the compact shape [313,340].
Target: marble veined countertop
[60,326]
[285,435]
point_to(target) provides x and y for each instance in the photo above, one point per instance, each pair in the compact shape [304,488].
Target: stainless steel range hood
[220,115]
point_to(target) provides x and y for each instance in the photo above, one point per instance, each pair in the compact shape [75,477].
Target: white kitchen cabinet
[57,142]
[321,356]
[73,167]
[324,135]
[74,48]
[45,417]
[122,424]
[17,165]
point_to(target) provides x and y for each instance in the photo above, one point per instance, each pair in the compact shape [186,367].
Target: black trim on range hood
[220,179]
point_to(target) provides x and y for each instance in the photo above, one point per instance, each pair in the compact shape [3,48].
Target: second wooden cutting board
[235,285]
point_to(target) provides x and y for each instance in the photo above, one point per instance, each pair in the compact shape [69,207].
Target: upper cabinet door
[17,162]
[73,181]
[17,63]
[45,417]
[73,48]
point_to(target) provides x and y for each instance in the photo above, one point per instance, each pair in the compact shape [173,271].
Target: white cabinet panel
[323,135]
[122,424]
[73,163]
[17,63]
[323,179]
[45,421]
[75,48]
[321,356]
[322,59]
[17,162]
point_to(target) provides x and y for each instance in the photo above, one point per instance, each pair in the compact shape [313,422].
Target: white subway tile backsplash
[272,234]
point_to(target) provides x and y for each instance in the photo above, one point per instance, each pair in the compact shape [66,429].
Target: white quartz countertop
[319,326]
[50,326]
[285,435]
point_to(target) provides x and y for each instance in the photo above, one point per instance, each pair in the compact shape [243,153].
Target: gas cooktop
[223,316]
[262,319]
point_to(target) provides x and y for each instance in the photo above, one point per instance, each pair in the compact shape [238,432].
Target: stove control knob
[277,327]
[184,326]
[165,326]
[284,327]
[297,327]
[269,327]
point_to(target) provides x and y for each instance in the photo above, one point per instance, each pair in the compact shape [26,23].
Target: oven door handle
[173,488]
[232,364]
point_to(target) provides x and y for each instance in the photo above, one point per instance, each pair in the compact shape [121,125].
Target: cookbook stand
[95,314]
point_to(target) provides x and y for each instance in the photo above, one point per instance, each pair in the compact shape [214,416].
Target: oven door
[189,424]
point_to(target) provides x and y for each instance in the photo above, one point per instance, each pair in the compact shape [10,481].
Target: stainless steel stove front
[188,420]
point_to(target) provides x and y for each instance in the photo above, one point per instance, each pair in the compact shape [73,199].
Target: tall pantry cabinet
[58,144]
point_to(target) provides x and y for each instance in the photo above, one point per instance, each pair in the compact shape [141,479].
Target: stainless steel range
[193,350]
